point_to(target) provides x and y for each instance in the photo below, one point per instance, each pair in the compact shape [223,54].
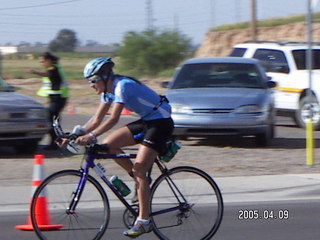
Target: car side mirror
[271,84]
[165,84]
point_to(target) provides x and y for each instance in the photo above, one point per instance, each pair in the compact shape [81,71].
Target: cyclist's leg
[157,133]
[116,141]
[142,165]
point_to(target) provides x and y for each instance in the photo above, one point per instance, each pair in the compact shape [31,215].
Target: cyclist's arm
[96,119]
[104,126]
[111,121]
[92,124]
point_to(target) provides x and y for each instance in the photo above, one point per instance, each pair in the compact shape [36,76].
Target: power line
[38,5]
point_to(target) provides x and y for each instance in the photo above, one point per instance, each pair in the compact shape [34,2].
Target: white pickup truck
[285,62]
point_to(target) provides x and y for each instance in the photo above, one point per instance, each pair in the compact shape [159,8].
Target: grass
[15,66]
[272,22]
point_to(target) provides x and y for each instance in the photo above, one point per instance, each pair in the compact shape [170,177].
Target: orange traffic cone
[42,212]
[126,112]
[71,107]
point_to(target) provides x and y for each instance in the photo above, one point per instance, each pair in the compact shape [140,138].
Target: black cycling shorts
[154,133]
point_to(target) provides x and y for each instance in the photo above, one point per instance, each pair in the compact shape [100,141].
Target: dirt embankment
[220,43]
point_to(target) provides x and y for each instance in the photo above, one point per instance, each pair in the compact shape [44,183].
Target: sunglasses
[94,79]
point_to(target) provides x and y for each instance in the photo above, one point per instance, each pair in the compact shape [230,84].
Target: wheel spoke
[88,220]
[198,218]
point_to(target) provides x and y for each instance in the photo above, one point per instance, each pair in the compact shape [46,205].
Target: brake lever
[60,133]
[57,128]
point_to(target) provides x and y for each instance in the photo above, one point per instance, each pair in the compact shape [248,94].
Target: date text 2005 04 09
[255,214]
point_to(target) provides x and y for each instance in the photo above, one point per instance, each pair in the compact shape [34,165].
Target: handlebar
[72,145]
[60,133]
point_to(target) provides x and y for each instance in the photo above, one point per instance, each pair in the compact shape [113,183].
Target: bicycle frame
[89,163]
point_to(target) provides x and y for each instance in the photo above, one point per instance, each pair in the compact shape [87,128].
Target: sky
[106,21]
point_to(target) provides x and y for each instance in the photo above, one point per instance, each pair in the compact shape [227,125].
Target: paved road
[302,223]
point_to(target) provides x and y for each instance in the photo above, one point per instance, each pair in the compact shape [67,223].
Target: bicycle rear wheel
[186,204]
[88,221]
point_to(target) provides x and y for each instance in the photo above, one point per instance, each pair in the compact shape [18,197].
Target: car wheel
[27,147]
[302,114]
[272,131]
[263,139]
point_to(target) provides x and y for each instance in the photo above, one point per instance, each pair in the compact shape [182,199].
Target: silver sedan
[23,121]
[222,96]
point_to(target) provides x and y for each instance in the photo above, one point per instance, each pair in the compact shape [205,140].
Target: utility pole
[309,64]
[0,64]
[254,20]
[149,14]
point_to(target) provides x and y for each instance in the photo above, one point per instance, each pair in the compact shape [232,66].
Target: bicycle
[186,203]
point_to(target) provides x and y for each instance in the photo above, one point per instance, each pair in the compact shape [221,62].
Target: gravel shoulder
[223,157]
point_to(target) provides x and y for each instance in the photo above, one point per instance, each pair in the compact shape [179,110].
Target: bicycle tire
[92,214]
[202,214]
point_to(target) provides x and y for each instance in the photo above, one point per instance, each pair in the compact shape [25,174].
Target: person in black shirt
[54,87]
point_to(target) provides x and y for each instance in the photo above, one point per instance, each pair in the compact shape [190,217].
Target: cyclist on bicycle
[155,127]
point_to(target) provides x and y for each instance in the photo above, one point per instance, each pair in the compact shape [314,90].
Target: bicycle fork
[76,195]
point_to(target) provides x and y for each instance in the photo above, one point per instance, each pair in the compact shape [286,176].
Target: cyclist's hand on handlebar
[85,139]
[79,131]
[63,142]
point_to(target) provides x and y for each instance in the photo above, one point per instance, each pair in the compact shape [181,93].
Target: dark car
[222,96]
[23,121]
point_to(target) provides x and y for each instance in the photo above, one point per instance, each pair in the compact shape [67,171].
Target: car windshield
[212,75]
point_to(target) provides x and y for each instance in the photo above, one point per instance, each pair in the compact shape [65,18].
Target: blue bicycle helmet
[98,66]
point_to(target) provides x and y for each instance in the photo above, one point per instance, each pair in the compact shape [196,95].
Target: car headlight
[37,114]
[181,109]
[248,109]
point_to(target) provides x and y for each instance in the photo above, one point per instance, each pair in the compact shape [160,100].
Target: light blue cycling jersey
[138,98]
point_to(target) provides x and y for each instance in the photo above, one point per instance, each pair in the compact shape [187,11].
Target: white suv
[285,62]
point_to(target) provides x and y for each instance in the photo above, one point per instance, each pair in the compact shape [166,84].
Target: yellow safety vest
[46,88]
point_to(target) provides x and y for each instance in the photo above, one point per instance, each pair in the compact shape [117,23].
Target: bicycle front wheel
[186,204]
[51,208]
